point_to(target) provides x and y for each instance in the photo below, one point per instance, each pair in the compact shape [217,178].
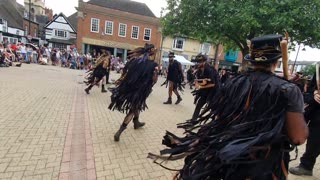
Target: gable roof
[10,13]
[73,19]
[125,5]
[56,17]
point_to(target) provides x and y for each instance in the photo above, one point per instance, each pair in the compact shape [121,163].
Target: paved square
[50,129]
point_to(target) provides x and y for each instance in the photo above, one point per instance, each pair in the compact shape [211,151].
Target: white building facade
[60,33]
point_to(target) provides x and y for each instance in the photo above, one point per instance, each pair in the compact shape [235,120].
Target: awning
[181,59]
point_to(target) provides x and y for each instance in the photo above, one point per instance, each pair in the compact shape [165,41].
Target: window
[178,43]
[135,32]
[122,30]
[17,32]
[60,33]
[13,40]
[147,34]
[26,31]
[109,28]
[95,25]
[4,26]
[35,32]
[205,48]
[60,46]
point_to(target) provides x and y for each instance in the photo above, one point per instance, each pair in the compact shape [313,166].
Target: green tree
[309,70]
[232,22]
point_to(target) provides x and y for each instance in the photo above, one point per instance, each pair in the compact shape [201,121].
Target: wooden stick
[284,51]
[318,76]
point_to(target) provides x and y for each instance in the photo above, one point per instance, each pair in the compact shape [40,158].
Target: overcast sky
[67,7]
[309,54]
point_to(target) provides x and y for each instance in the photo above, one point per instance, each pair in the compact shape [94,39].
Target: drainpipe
[29,18]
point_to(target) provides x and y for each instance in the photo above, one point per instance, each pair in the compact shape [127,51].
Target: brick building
[115,25]
[34,27]
[14,23]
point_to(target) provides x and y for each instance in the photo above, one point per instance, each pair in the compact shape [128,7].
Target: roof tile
[125,5]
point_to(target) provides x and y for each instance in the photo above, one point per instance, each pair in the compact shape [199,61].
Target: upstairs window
[135,32]
[4,25]
[26,31]
[95,25]
[60,33]
[178,44]
[35,32]
[147,34]
[205,48]
[122,30]
[109,27]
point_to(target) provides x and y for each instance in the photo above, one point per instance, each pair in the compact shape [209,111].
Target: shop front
[231,61]
[61,44]
[117,49]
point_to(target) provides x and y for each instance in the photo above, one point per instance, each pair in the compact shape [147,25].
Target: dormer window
[61,33]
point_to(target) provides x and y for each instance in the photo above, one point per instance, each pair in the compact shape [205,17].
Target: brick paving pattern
[47,122]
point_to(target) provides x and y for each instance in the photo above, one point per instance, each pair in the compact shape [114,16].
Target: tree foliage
[309,70]
[232,22]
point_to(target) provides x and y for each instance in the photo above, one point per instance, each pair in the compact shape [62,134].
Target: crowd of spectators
[14,54]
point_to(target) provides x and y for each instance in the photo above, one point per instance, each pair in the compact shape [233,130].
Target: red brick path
[78,160]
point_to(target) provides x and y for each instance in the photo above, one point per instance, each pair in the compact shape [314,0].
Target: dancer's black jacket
[241,134]
[135,87]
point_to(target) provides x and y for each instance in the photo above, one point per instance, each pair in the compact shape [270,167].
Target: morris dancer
[98,73]
[248,130]
[134,87]
[175,79]
[207,83]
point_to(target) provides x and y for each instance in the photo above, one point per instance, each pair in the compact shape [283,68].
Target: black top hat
[200,58]
[149,47]
[265,49]
[171,54]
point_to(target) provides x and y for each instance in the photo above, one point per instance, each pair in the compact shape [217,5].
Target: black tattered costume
[175,75]
[312,151]
[134,87]
[206,75]
[241,134]
[175,79]
[95,75]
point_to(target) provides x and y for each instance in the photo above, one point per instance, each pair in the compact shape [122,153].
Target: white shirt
[23,49]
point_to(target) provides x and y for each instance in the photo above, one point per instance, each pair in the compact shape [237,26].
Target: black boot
[137,124]
[118,133]
[299,170]
[178,100]
[88,89]
[103,90]
[169,101]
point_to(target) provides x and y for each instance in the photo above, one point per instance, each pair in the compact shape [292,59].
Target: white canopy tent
[181,59]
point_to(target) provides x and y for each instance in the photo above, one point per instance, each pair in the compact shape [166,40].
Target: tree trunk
[216,60]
